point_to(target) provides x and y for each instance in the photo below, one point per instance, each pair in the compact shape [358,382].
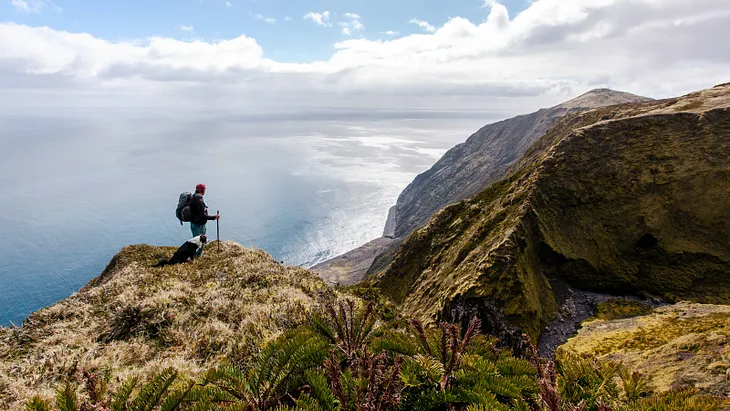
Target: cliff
[484,157]
[462,172]
[135,320]
[625,199]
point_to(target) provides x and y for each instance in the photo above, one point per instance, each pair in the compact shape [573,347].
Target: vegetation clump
[349,358]
[677,345]
[618,308]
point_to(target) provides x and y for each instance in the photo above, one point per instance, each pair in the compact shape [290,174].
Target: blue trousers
[198,230]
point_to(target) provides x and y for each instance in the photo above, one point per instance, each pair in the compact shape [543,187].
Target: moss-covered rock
[618,308]
[626,199]
[677,345]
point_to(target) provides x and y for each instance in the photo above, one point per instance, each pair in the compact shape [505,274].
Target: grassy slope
[575,208]
[676,345]
[136,319]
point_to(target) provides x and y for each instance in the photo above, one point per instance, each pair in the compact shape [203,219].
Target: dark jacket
[199,211]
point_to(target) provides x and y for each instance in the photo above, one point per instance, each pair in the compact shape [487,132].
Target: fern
[346,328]
[483,398]
[184,393]
[395,343]
[120,400]
[66,399]
[586,379]
[37,404]
[635,385]
[515,366]
[305,402]
[273,371]
[153,393]
[319,385]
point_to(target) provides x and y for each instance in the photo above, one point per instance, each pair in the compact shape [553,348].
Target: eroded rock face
[626,199]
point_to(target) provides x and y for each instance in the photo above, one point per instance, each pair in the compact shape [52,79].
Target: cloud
[288,18]
[424,25]
[187,29]
[34,6]
[21,5]
[391,33]
[348,27]
[553,50]
[261,17]
[321,19]
[229,4]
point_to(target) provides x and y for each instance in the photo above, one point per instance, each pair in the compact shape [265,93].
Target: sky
[302,56]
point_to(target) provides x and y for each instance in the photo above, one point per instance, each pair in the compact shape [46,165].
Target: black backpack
[183,212]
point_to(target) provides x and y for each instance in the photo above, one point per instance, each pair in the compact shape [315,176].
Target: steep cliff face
[483,158]
[462,172]
[626,199]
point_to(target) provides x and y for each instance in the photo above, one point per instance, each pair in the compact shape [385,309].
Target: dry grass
[135,319]
[682,344]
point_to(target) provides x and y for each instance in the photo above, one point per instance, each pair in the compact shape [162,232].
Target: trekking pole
[218,229]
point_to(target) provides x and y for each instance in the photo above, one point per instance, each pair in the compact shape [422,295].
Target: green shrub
[348,359]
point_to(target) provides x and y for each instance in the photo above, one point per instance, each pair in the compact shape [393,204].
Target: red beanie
[200,188]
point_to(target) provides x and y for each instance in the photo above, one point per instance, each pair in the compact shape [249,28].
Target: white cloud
[424,25]
[187,29]
[229,4]
[288,18]
[392,33]
[553,50]
[321,19]
[348,27]
[34,6]
[269,20]
[21,5]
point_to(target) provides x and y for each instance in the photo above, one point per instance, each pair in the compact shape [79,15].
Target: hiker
[199,215]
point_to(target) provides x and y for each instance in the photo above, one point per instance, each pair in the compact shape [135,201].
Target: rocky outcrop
[625,199]
[675,346]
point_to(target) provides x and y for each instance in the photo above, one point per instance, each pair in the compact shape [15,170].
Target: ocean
[75,189]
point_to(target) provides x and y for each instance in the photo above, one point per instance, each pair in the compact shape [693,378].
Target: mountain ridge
[460,173]
[612,199]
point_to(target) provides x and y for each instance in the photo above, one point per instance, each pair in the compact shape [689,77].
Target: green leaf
[37,404]
[305,402]
[515,366]
[66,398]
[153,393]
[120,400]
[321,389]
